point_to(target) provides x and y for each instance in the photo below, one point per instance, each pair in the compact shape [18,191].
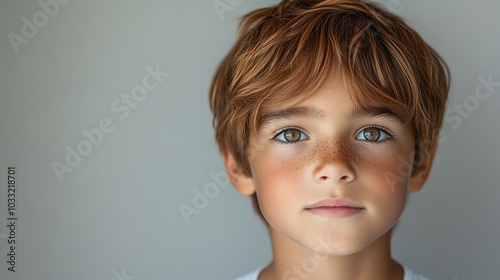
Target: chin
[341,250]
[338,246]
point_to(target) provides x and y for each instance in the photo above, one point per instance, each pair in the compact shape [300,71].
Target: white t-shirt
[408,275]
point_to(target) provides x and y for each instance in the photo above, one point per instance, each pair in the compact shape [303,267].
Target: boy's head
[303,54]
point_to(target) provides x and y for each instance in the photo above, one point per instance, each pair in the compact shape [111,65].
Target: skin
[365,159]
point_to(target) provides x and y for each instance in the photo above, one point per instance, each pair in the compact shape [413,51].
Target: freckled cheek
[384,162]
[376,165]
[386,178]
[278,161]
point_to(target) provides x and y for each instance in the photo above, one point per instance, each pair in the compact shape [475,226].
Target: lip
[335,208]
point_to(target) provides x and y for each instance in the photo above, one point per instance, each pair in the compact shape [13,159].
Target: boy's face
[329,175]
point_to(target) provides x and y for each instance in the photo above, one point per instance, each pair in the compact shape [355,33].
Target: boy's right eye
[290,135]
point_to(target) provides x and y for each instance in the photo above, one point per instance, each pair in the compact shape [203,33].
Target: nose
[335,163]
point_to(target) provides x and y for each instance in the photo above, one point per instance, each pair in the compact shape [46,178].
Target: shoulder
[254,275]
[410,275]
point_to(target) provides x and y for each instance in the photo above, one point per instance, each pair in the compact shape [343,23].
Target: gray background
[117,213]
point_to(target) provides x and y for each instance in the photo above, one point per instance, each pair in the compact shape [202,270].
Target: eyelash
[376,126]
[384,130]
[279,132]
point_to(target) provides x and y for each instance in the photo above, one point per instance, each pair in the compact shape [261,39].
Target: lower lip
[341,211]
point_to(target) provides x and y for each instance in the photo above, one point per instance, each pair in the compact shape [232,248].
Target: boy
[326,113]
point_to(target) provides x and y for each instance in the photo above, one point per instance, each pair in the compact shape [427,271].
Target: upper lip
[334,203]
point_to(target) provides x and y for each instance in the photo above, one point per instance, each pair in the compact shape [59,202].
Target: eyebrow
[310,112]
[358,113]
[315,113]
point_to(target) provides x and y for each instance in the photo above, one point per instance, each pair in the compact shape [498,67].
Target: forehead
[318,114]
[293,94]
[313,105]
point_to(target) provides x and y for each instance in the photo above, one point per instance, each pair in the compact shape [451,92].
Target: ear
[421,173]
[241,181]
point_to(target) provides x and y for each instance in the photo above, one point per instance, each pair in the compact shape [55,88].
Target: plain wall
[116,212]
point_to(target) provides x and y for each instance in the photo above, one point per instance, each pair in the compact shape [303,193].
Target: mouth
[335,208]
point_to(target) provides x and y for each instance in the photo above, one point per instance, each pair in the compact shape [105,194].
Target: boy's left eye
[372,134]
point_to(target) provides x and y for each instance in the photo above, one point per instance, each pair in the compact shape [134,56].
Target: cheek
[274,164]
[389,165]
[277,178]
[386,177]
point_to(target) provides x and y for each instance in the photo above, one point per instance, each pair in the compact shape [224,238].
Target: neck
[291,261]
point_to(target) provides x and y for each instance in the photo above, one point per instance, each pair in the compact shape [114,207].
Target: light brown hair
[288,51]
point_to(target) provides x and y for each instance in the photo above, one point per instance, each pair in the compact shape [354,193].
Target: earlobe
[420,175]
[240,180]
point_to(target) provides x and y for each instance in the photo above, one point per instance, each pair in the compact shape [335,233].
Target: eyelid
[379,127]
[282,130]
[279,131]
[384,129]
